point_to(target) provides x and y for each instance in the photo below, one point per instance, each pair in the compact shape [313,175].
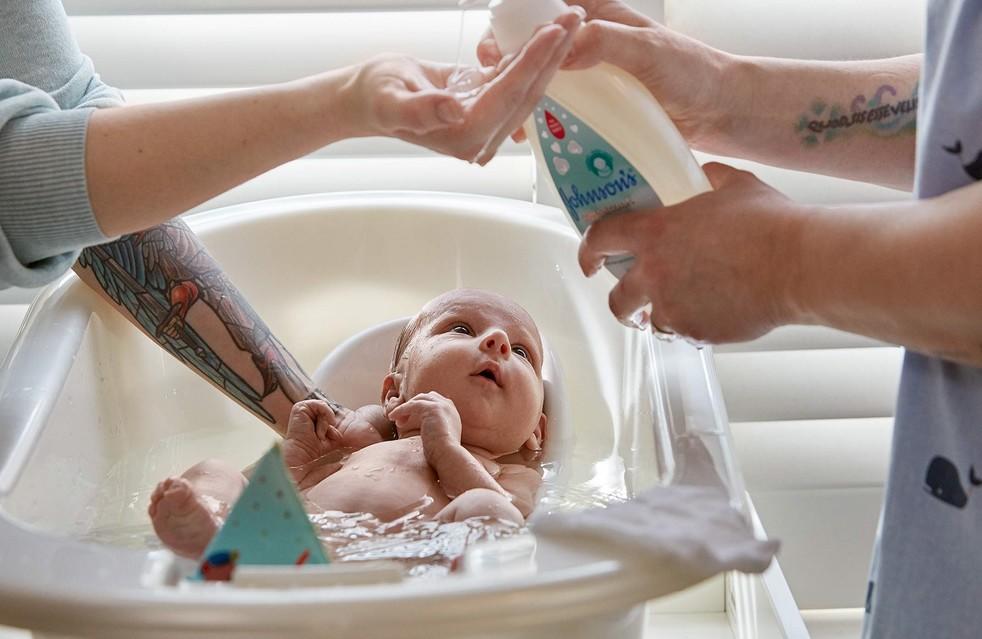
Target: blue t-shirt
[926,578]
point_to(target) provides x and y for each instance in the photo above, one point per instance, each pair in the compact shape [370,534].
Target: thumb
[488,53]
[603,41]
[719,174]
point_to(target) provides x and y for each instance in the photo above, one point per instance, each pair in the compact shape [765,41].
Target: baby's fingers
[324,419]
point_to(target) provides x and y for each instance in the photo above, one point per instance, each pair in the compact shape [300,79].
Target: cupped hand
[719,267]
[417,101]
[683,74]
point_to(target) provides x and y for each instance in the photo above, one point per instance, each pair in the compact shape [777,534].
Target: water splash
[426,548]
[466,81]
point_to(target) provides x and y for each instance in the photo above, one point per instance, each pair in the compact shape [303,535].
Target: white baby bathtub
[94,414]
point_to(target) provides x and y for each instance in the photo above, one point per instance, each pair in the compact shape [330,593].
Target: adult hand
[685,76]
[417,102]
[719,267]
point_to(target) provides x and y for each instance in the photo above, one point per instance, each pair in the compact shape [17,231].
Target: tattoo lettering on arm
[883,115]
[157,276]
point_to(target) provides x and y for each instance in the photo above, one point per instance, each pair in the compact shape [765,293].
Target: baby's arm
[316,432]
[471,488]
[436,420]
[522,484]
[365,426]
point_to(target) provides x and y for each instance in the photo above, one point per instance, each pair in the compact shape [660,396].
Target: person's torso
[924,582]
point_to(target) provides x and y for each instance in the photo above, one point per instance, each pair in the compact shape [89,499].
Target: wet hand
[719,267]
[416,101]
[665,61]
[433,417]
[312,421]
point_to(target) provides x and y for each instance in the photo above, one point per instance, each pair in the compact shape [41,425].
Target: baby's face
[483,352]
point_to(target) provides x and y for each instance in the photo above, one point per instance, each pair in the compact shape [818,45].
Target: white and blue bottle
[605,143]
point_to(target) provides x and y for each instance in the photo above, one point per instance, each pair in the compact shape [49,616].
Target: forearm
[907,273]
[458,470]
[855,120]
[165,283]
[146,164]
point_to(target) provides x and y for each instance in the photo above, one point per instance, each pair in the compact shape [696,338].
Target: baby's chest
[389,464]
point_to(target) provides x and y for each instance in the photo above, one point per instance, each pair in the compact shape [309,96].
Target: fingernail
[449,112]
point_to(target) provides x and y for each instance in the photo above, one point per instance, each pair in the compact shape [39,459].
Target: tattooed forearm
[884,114]
[156,276]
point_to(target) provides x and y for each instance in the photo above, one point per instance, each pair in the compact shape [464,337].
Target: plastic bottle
[605,143]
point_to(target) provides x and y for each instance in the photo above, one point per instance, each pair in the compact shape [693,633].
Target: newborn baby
[460,413]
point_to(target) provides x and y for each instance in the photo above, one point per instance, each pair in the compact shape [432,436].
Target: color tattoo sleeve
[156,277]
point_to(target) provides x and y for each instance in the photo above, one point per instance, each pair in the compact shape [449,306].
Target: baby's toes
[157,495]
[178,491]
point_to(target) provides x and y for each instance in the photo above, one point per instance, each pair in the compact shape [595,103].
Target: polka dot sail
[266,527]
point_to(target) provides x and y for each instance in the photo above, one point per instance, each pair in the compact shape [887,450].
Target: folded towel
[685,533]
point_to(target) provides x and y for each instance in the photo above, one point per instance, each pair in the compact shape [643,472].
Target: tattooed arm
[155,277]
[855,120]
[848,119]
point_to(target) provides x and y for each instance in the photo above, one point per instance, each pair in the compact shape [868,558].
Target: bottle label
[593,179]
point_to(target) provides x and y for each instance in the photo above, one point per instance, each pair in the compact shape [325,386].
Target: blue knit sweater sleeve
[48,90]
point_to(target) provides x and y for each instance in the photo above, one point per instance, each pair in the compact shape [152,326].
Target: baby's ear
[391,392]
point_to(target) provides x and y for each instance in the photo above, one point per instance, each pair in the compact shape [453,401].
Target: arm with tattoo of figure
[156,276]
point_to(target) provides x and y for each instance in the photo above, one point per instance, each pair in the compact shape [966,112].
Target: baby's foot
[181,518]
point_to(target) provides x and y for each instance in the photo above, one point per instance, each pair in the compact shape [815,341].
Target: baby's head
[483,352]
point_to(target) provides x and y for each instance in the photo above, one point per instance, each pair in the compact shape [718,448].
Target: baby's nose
[497,341]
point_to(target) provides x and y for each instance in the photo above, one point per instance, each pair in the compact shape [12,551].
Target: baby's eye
[522,351]
[463,329]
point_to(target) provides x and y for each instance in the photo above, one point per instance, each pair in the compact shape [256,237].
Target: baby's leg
[481,502]
[186,511]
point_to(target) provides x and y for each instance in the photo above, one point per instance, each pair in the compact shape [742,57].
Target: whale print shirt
[926,578]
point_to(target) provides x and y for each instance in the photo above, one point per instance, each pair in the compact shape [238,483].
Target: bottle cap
[514,22]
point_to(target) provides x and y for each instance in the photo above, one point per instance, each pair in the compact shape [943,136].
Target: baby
[461,410]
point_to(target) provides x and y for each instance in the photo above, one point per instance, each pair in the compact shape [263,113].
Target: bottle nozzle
[514,21]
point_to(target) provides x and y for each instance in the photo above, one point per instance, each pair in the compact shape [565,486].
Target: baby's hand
[311,434]
[433,417]
[314,425]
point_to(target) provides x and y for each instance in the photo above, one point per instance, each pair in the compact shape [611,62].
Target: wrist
[439,448]
[799,288]
[730,81]
[330,104]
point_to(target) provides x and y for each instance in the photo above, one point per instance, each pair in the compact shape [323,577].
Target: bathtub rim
[596,585]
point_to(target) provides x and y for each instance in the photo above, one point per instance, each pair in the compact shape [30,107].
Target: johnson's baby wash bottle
[600,136]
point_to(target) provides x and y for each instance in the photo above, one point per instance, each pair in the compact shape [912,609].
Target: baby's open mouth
[489,373]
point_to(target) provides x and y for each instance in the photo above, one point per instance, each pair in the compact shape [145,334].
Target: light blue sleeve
[48,90]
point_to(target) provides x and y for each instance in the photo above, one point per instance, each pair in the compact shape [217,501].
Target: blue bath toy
[266,527]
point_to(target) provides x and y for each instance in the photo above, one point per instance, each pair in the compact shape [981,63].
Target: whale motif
[973,168]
